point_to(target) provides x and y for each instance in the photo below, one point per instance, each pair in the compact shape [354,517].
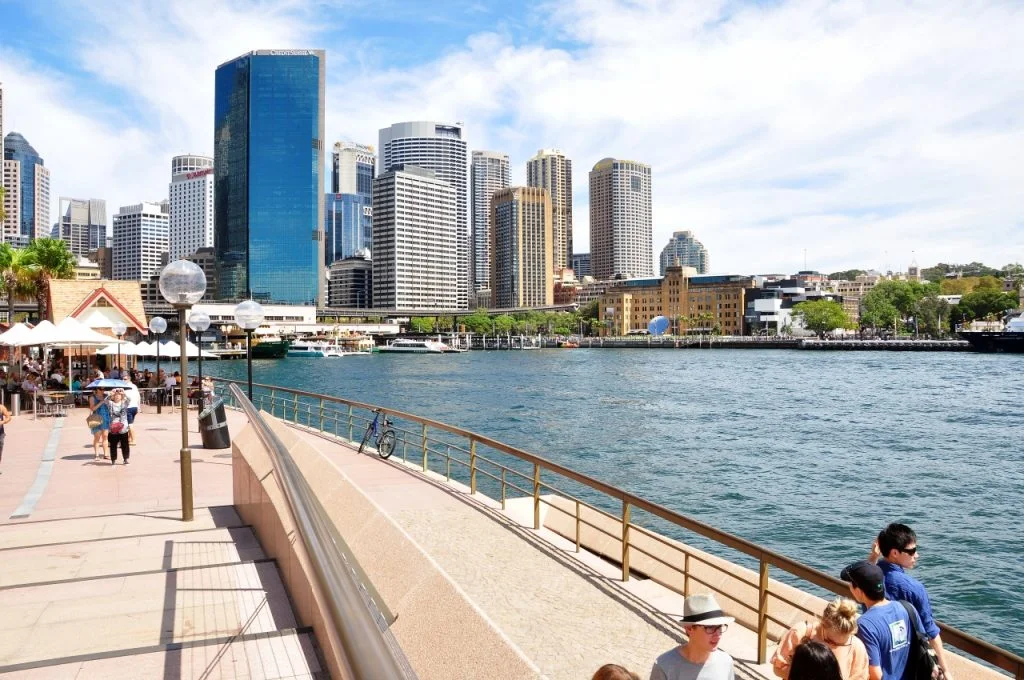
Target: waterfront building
[32,178]
[581,265]
[770,302]
[551,170]
[620,220]
[348,209]
[853,292]
[440,148]
[83,224]
[691,302]
[87,270]
[685,250]
[488,174]
[206,258]
[141,240]
[191,199]
[415,230]
[522,274]
[351,282]
[268,176]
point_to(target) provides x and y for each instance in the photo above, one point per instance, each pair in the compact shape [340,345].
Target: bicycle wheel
[386,444]
[366,438]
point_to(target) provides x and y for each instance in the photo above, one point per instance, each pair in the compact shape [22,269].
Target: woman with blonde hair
[836,629]
[611,671]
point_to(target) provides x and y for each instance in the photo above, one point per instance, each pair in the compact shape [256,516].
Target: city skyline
[789,137]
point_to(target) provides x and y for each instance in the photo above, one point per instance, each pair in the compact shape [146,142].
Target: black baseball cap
[867,576]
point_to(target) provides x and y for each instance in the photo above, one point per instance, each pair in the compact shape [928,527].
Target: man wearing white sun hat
[700,658]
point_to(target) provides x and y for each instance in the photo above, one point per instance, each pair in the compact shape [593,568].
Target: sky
[783,133]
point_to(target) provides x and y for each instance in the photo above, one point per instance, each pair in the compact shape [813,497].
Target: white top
[170,382]
[134,398]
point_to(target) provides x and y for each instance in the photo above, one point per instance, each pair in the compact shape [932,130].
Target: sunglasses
[908,551]
[712,630]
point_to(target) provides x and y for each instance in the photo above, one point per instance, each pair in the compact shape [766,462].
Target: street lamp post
[158,325]
[183,283]
[119,329]
[249,316]
[199,322]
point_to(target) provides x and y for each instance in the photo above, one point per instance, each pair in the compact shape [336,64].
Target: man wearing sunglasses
[895,551]
[699,659]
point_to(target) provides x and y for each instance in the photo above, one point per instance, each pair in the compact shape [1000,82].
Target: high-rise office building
[1,122]
[551,170]
[83,224]
[33,179]
[620,220]
[12,201]
[191,199]
[581,264]
[684,249]
[350,285]
[488,174]
[414,236]
[522,273]
[141,240]
[348,209]
[268,176]
[441,148]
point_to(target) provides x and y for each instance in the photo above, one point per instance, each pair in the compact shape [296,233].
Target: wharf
[751,342]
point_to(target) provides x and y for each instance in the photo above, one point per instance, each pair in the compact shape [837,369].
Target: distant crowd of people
[872,636]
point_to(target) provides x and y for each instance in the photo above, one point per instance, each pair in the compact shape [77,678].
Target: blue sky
[865,132]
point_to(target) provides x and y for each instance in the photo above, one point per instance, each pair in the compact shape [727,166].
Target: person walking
[836,629]
[118,431]
[134,399]
[5,417]
[814,660]
[99,422]
[699,659]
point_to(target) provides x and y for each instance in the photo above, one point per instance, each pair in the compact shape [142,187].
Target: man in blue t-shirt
[885,627]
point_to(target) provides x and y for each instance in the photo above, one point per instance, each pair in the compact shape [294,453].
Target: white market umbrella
[71,332]
[42,334]
[14,334]
[145,349]
[127,349]
[192,351]
[170,349]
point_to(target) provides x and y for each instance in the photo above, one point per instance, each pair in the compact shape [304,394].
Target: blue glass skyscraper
[349,206]
[268,170]
[33,187]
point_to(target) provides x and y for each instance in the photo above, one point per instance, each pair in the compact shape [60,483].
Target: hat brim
[714,621]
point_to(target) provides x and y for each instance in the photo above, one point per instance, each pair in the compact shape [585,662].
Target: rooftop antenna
[805,259]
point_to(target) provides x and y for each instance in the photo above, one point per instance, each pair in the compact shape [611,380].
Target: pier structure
[469,557]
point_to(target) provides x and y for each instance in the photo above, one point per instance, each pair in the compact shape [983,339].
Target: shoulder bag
[922,664]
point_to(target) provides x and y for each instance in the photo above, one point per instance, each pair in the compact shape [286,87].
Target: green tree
[53,261]
[478,322]
[846,274]
[822,316]
[17,274]
[503,324]
[589,310]
[932,315]
[983,304]
[421,324]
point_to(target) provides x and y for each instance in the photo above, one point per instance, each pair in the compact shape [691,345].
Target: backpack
[922,664]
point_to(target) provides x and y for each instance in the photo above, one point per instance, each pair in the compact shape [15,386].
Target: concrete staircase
[145,595]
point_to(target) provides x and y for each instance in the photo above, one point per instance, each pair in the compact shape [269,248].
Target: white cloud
[860,131]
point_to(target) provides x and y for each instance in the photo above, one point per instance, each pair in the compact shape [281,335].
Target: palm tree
[53,261]
[17,275]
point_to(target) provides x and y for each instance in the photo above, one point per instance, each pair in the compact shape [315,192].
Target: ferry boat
[409,346]
[317,349]
[1010,340]
[270,349]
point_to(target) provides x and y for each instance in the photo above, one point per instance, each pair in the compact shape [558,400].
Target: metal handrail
[1001,658]
[370,652]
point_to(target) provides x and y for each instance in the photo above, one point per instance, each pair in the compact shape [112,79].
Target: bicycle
[382,434]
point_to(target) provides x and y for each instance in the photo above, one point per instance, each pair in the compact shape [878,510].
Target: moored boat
[409,346]
[1010,340]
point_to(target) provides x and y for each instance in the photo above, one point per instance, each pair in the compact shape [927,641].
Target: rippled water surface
[809,453]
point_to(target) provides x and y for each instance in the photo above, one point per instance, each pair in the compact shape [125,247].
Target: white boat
[407,346]
[319,349]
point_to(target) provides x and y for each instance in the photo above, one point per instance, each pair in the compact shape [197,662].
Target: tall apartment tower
[620,220]
[488,174]
[551,170]
[33,181]
[440,148]
[414,239]
[10,180]
[1,122]
[269,176]
[83,224]
[348,209]
[191,200]
[141,238]
[522,274]
[684,249]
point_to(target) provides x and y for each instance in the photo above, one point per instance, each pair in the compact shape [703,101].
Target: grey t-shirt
[673,666]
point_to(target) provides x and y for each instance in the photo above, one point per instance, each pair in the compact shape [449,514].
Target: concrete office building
[440,148]
[141,240]
[581,265]
[12,202]
[551,170]
[24,168]
[414,241]
[488,173]
[522,273]
[268,176]
[351,282]
[348,209]
[83,224]
[685,250]
[191,200]
[620,220]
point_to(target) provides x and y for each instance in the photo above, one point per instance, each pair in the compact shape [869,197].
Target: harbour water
[807,453]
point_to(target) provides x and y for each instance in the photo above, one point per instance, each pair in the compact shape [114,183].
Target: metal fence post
[448,463]
[272,403]
[295,410]
[350,422]
[424,438]
[577,526]
[472,466]
[536,496]
[686,575]
[321,415]
[625,540]
[762,612]
[502,488]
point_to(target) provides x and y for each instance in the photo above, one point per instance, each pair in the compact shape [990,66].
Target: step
[271,656]
[107,527]
[91,559]
[124,612]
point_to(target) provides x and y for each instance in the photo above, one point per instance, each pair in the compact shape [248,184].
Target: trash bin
[213,426]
